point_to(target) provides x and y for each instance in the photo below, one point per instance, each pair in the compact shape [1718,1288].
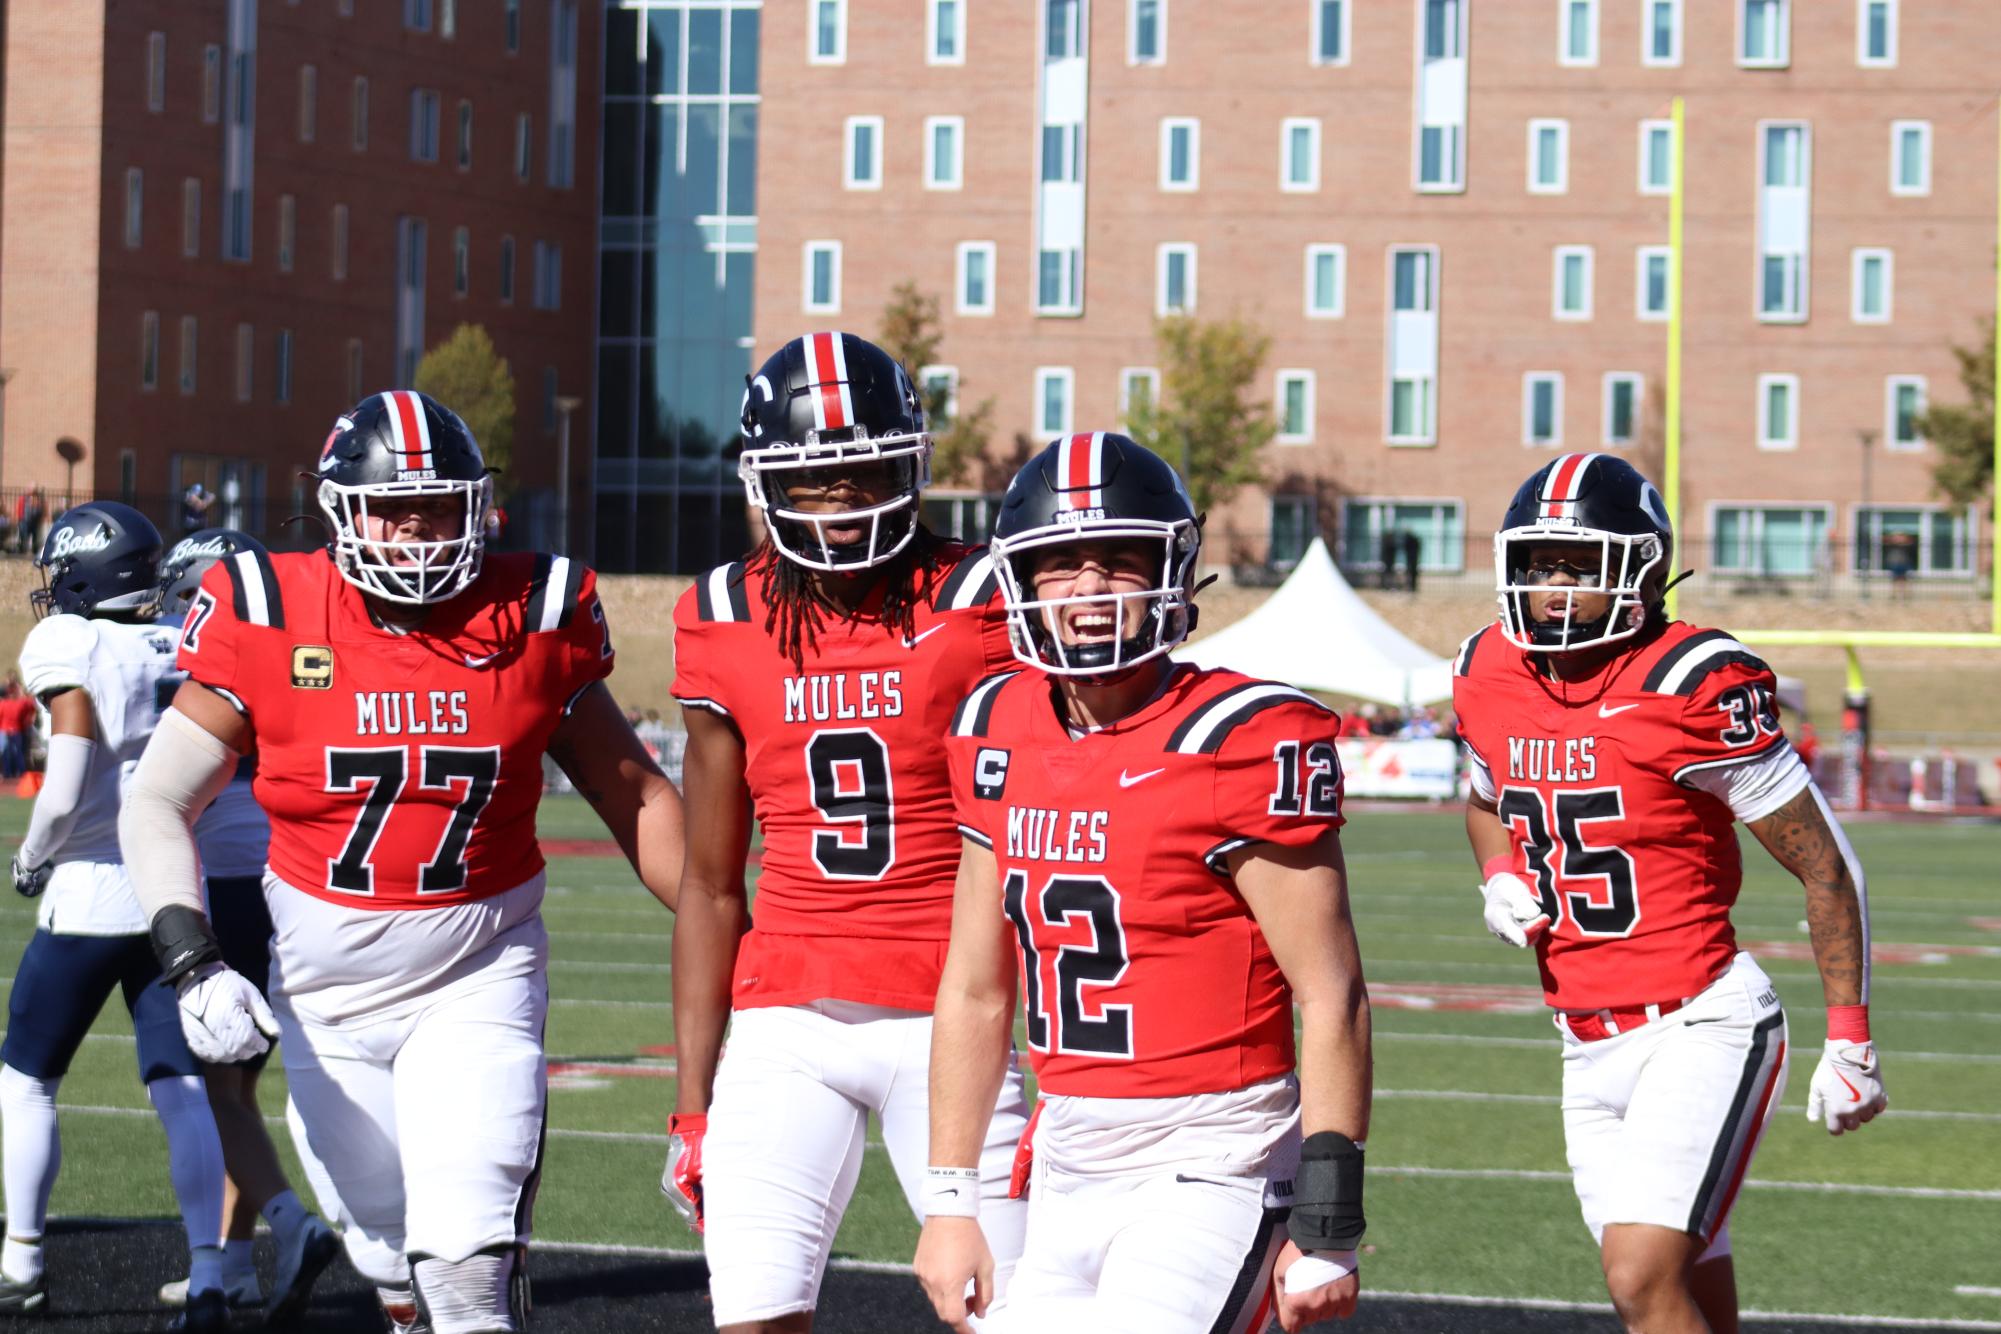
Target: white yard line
[1552,1044]
[1750,1183]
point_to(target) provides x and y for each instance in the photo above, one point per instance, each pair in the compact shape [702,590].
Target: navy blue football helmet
[101,558]
[189,559]
[1617,522]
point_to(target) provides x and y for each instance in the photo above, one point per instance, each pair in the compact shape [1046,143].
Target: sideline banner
[1379,767]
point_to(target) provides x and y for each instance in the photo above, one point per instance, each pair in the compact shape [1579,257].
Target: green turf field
[1468,1191]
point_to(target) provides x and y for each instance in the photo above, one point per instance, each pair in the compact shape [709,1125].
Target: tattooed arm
[1803,837]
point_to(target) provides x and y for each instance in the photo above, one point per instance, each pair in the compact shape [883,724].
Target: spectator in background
[1354,724]
[1413,551]
[195,504]
[17,716]
[1420,725]
[29,512]
[1386,552]
[1900,557]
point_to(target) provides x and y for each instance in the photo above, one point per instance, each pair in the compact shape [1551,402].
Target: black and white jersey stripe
[720,594]
[1682,668]
[1203,731]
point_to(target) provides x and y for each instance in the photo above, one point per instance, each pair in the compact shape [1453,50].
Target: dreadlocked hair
[795,605]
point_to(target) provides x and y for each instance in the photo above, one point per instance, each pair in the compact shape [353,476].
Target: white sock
[237,1259]
[469,1294]
[286,1213]
[31,1153]
[194,1162]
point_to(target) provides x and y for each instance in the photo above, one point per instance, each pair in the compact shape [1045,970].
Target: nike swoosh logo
[912,641]
[1850,1087]
[1606,712]
[472,661]
[1127,780]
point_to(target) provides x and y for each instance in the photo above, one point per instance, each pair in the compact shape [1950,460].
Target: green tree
[910,333]
[469,376]
[1962,434]
[1211,421]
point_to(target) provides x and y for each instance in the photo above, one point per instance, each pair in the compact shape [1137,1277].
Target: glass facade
[678,233]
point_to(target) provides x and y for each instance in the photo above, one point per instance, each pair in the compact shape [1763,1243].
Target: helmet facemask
[417,573]
[1164,620]
[1627,565]
[774,476]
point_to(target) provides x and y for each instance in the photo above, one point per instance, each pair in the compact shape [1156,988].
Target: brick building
[1450,218]
[223,221]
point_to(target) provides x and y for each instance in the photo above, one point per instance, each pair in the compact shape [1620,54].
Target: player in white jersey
[103,674]
[233,837]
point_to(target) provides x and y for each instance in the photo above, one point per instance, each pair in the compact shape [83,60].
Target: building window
[1330,32]
[1778,411]
[1295,407]
[135,207]
[1180,154]
[149,350]
[1441,96]
[506,286]
[1871,273]
[1924,540]
[156,72]
[1656,157]
[1651,271]
[1876,33]
[465,135]
[190,217]
[1146,32]
[827,36]
[1139,390]
[1053,393]
[189,335]
[413,245]
[945,32]
[939,385]
[1063,32]
[524,146]
[1299,155]
[1549,157]
[239,134]
[281,358]
[462,261]
[288,231]
[1062,154]
[974,281]
[942,137]
[448,19]
[1438,525]
[1413,346]
[1326,281]
[211,84]
[1057,281]
[1785,171]
[1904,401]
[1910,157]
[1570,283]
[1624,391]
[559,164]
[862,163]
[512,17]
[1293,525]
[424,124]
[309,104]
[1578,42]
[545,291]
[1542,408]
[1768,539]
[1174,279]
[1660,34]
[1764,33]
[417,15]
[822,294]
[337,263]
[357,112]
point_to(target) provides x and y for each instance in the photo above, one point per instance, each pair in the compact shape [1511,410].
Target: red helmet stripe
[1080,463]
[824,368]
[1564,480]
[412,433]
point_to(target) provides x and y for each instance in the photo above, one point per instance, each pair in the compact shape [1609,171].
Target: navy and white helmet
[100,557]
[1602,505]
[1096,487]
[824,406]
[388,449]
[188,560]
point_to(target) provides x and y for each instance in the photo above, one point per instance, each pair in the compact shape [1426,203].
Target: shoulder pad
[976,711]
[56,654]
[553,590]
[1202,732]
[720,594]
[253,589]
[971,583]
[1682,668]
[1463,664]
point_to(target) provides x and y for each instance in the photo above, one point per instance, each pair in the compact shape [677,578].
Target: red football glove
[681,1182]
[1024,1157]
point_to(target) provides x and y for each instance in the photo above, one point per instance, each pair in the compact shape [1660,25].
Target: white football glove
[1847,1086]
[1514,913]
[223,1017]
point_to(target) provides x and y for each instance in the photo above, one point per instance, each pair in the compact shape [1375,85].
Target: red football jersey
[1143,973]
[845,761]
[399,770]
[1637,869]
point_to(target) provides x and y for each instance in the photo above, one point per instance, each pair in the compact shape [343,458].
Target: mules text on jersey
[1537,759]
[410,713]
[838,696]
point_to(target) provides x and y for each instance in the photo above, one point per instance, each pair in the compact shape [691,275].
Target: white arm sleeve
[185,767]
[56,804]
[1755,787]
[1480,777]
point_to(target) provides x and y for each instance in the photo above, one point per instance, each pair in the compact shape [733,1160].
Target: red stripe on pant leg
[1751,1142]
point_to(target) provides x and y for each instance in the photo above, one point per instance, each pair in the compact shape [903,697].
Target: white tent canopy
[1315,632]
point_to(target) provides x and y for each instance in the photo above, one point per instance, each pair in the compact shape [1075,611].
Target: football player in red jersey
[400,689]
[817,679]
[1159,846]
[1612,752]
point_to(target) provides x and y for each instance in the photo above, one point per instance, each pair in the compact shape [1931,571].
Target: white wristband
[1318,1268]
[950,1192]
